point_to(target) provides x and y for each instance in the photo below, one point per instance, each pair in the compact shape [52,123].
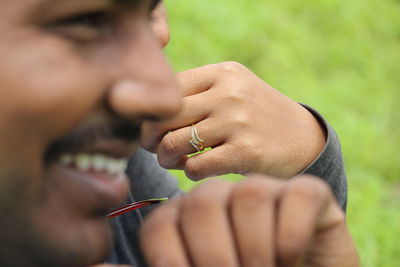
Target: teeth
[99,162]
[113,166]
[66,159]
[96,162]
[83,162]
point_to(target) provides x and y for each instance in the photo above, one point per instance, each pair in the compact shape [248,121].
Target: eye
[154,4]
[85,27]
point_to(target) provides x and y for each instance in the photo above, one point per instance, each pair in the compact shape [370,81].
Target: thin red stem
[134,206]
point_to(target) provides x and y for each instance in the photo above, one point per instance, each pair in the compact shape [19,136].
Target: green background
[340,57]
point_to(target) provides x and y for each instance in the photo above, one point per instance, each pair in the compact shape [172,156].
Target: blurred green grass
[340,57]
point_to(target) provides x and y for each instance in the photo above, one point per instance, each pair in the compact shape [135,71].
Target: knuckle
[199,168]
[247,146]
[234,95]
[320,187]
[250,143]
[199,203]
[203,199]
[318,184]
[193,169]
[241,119]
[231,67]
[157,222]
[309,189]
[252,192]
[170,144]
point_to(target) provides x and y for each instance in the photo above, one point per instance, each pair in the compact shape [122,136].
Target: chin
[92,243]
[73,245]
[99,243]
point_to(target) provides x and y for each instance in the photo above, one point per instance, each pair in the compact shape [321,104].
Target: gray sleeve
[329,164]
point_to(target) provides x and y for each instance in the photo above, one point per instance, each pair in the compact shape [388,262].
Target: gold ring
[196,141]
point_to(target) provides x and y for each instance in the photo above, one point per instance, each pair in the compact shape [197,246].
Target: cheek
[48,86]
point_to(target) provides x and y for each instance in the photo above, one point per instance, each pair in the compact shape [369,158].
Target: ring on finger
[196,141]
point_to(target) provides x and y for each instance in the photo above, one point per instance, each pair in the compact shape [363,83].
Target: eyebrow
[51,2]
[48,4]
[55,6]
[155,2]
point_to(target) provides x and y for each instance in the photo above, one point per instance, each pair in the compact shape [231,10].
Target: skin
[65,79]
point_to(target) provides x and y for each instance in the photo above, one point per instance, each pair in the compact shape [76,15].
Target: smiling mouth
[92,160]
[105,157]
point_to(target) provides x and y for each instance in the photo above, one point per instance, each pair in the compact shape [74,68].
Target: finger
[160,237]
[301,205]
[206,228]
[224,159]
[253,203]
[175,145]
[332,244]
[195,108]
[197,80]
[203,78]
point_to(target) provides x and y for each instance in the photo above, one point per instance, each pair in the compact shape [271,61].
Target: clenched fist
[257,222]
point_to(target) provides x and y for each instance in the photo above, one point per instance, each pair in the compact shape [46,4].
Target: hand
[250,126]
[257,222]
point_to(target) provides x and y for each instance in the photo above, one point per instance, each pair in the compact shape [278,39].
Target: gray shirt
[149,180]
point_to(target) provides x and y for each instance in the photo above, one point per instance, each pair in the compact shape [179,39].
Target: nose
[146,87]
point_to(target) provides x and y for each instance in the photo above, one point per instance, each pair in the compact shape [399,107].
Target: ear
[160,24]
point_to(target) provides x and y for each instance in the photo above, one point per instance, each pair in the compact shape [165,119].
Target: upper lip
[116,148]
[113,148]
[114,137]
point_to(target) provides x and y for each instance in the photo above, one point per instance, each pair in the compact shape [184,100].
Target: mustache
[89,133]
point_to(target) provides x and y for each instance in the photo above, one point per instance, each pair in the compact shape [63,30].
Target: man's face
[77,77]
